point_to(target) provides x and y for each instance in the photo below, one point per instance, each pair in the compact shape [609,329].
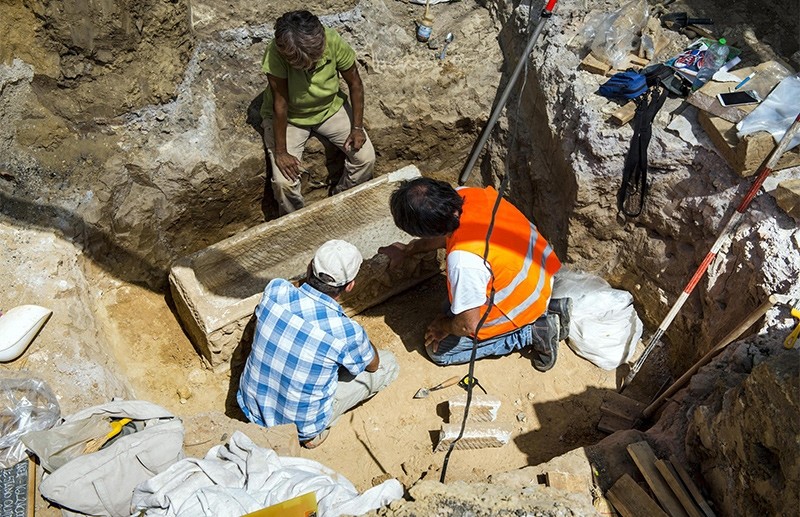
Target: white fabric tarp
[241,477]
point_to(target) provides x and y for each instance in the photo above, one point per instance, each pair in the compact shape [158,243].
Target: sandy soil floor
[392,434]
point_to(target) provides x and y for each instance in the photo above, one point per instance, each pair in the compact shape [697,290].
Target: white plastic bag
[776,113]
[617,34]
[26,405]
[604,327]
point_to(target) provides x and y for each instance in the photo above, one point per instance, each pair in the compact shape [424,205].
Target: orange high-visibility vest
[521,260]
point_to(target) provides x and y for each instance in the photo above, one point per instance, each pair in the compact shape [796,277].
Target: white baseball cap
[338,259]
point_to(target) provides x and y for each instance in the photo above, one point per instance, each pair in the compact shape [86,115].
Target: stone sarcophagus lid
[217,288]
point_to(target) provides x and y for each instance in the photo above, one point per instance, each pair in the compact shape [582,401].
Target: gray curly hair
[300,39]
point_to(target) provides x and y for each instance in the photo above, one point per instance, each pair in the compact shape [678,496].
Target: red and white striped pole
[733,222]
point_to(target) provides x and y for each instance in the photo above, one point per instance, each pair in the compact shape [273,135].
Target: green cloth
[314,96]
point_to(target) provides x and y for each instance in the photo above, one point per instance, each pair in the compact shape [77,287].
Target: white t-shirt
[468,277]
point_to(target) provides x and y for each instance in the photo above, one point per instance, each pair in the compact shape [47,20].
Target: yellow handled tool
[96,444]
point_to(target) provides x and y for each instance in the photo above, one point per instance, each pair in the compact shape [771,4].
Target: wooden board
[613,423]
[566,481]
[645,459]
[594,65]
[17,484]
[617,404]
[630,500]
[624,114]
[691,486]
[674,482]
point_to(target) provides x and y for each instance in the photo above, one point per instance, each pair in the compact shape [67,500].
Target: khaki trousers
[357,167]
[350,391]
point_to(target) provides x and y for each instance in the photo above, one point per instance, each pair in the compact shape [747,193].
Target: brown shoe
[316,441]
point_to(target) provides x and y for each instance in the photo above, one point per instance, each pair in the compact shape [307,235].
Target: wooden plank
[566,481]
[621,117]
[613,423]
[630,500]
[674,482]
[31,487]
[594,65]
[691,486]
[645,459]
[617,404]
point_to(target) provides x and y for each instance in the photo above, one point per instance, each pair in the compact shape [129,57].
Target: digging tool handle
[728,339]
[501,102]
[764,170]
[446,384]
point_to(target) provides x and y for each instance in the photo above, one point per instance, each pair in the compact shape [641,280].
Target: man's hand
[437,331]
[288,165]
[396,252]
[355,141]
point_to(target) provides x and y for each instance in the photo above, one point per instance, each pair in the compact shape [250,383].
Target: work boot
[563,308]
[544,335]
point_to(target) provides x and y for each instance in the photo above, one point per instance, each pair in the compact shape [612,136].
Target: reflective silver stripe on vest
[521,276]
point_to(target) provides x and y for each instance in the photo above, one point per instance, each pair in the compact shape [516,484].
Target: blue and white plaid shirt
[302,338]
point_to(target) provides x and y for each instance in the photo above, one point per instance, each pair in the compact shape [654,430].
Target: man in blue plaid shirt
[310,363]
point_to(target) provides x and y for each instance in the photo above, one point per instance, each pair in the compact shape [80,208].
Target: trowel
[424,392]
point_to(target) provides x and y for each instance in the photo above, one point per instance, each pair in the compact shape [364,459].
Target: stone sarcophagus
[217,288]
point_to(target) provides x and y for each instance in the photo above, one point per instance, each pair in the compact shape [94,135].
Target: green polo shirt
[314,96]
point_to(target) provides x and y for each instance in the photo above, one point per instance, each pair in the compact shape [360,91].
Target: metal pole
[764,171]
[546,13]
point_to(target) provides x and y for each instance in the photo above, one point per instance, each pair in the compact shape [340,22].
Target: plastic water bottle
[713,59]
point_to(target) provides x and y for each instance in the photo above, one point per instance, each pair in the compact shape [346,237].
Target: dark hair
[320,285]
[300,39]
[426,207]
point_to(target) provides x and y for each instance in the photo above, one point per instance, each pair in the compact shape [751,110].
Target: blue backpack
[624,85]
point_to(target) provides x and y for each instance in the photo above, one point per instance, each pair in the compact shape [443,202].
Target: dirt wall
[134,130]
[565,165]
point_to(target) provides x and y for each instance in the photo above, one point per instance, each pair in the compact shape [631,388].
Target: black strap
[632,192]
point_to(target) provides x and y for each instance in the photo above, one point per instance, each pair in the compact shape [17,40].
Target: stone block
[477,435]
[788,197]
[483,408]
[744,155]
[217,288]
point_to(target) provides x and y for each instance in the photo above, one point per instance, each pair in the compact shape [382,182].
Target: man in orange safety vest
[517,269]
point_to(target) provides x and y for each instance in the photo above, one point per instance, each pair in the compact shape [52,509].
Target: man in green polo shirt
[303,64]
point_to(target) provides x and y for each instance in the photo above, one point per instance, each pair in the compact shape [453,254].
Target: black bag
[631,194]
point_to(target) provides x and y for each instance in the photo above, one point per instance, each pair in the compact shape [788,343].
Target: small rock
[197,376]
[522,417]
[185,393]
[517,402]
[531,396]
[377,480]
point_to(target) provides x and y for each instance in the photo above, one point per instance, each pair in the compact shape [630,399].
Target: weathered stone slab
[477,435]
[483,408]
[216,289]
[747,154]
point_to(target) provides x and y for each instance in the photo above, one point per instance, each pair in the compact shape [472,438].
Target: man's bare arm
[357,136]
[397,252]
[289,165]
[462,324]
[372,367]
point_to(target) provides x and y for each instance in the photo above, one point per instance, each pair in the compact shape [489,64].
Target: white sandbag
[18,327]
[604,327]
